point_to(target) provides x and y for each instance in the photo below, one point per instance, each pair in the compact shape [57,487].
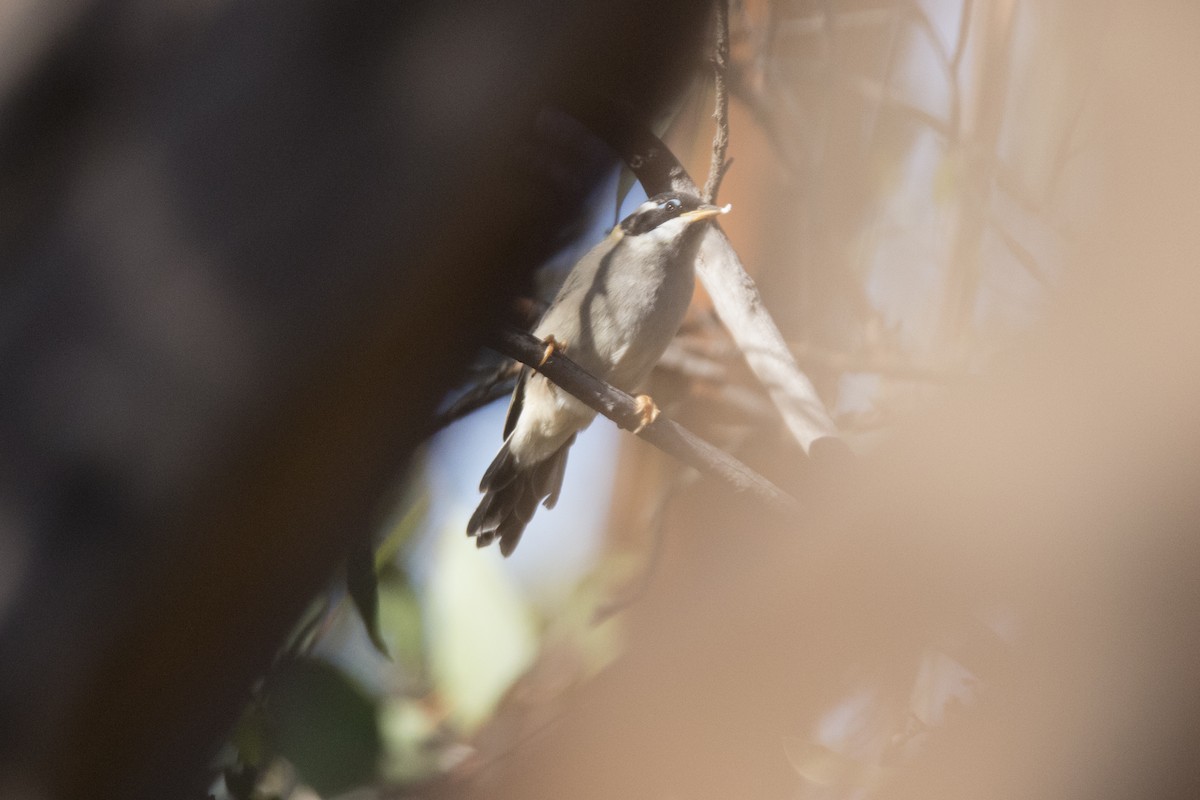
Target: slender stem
[720,62]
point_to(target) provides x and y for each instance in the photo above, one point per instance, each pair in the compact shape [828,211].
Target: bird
[618,309]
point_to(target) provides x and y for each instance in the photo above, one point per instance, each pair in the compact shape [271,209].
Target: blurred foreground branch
[232,236]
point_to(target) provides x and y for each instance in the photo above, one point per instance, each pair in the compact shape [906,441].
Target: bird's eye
[673,205]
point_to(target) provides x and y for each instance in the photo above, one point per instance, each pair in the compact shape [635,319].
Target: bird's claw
[552,345]
[647,411]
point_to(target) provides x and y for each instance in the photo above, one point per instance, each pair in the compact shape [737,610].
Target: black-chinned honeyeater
[615,314]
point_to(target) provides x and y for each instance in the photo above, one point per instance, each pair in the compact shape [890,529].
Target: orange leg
[552,345]
[647,410]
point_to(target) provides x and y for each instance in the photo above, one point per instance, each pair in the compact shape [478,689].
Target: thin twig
[720,62]
[665,434]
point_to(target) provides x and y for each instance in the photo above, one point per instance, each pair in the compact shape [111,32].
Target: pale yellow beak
[705,211]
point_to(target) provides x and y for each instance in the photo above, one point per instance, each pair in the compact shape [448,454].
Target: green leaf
[363,569]
[413,738]
[249,736]
[402,622]
[241,781]
[401,531]
[324,725]
[363,586]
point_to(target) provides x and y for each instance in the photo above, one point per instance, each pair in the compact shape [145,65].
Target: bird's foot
[647,410]
[552,346]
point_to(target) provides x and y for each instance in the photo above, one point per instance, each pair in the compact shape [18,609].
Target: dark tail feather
[500,472]
[512,494]
[559,469]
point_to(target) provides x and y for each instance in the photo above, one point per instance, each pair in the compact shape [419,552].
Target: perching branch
[665,434]
[734,295]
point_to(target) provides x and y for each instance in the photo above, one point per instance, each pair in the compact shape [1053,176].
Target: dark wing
[516,403]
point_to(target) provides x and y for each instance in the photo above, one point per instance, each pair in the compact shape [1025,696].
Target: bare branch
[665,434]
[720,61]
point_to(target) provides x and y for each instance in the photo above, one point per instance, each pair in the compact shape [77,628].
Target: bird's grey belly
[617,324]
[632,328]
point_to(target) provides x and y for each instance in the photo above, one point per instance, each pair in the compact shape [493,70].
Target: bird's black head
[664,208]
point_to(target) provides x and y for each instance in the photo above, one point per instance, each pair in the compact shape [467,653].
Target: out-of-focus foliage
[313,716]
[363,566]
[407,672]
[481,634]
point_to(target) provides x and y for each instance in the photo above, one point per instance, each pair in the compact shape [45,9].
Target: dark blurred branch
[239,278]
[490,389]
[665,434]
